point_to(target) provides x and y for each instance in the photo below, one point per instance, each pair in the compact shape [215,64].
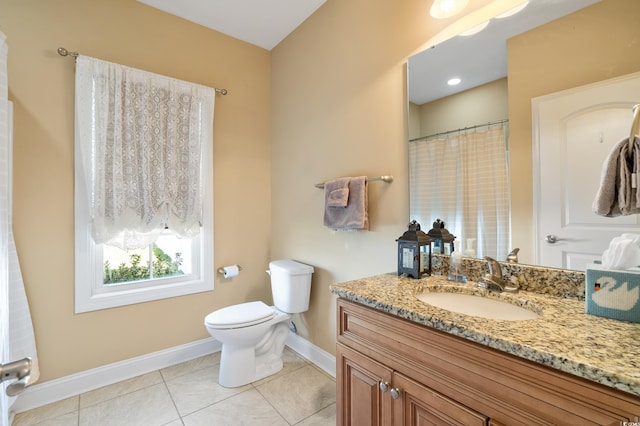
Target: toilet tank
[290,285]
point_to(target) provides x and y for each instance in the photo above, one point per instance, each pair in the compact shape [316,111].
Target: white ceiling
[259,22]
[480,58]
[266,23]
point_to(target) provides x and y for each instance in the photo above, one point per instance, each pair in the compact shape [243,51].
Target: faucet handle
[512,257]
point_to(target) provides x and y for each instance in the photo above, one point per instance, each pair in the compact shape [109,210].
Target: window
[143,186]
[94,292]
[168,257]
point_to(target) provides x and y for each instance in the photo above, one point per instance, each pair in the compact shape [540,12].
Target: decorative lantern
[442,239]
[414,252]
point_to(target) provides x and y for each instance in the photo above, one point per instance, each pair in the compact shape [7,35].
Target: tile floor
[188,394]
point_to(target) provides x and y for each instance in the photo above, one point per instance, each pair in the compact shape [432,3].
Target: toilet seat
[241,315]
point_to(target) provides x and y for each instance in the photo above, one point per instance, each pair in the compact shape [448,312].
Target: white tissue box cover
[613,293]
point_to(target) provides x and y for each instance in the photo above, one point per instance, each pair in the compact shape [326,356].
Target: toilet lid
[242,315]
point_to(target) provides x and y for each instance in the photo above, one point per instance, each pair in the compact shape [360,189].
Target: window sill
[87,301]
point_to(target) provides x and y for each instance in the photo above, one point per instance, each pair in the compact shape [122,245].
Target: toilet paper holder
[221,270]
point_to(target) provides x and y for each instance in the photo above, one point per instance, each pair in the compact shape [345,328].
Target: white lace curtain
[144,140]
[463,180]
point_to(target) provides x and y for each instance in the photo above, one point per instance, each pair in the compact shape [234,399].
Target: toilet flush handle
[268,271]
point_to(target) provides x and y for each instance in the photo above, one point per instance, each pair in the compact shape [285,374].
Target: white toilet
[253,334]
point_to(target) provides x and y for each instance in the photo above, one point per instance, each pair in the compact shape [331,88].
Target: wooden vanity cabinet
[359,386]
[368,399]
[392,371]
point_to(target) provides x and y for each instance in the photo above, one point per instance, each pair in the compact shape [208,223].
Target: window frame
[90,291]
[91,294]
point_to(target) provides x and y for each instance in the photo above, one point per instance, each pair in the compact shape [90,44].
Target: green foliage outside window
[163,266]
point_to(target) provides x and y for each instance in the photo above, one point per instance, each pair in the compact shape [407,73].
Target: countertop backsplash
[552,281]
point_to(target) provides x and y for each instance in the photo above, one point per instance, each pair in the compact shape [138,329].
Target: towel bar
[385,178]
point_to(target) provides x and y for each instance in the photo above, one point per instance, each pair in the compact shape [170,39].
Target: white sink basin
[477,306]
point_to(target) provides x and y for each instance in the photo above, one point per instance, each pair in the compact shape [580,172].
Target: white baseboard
[314,354]
[65,387]
[75,384]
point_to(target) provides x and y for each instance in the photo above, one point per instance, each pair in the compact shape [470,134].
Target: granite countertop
[564,337]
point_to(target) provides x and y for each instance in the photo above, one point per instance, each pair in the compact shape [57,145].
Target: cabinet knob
[395,393]
[384,386]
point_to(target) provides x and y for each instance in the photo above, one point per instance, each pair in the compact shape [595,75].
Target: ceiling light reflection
[441,9]
[475,30]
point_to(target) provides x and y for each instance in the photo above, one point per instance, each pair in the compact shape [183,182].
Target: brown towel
[617,195]
[354,216]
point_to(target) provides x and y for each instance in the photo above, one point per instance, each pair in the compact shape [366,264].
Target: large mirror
[572,43]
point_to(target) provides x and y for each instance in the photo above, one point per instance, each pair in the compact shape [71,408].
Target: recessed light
[454,81]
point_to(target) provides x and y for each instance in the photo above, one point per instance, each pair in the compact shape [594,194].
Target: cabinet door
[360,401]
[419,405]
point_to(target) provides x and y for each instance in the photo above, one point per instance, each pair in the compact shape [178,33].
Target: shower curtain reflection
[462,178]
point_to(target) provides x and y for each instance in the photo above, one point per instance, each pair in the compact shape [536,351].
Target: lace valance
[144,141]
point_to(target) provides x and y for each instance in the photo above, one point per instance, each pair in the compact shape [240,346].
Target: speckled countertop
[564,337]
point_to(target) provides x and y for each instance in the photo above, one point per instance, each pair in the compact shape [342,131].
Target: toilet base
[240,366]
[234,371]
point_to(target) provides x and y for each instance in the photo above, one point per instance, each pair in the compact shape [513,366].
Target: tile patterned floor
[188,394]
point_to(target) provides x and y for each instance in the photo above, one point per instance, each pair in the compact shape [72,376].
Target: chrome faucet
[493,280]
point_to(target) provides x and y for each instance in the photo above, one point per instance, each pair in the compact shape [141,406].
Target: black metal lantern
[442,239]
[414,252]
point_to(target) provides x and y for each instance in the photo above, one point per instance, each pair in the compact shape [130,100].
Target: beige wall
[41,87]
[483,104]
[593,44]
[339,109]
[414,121]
